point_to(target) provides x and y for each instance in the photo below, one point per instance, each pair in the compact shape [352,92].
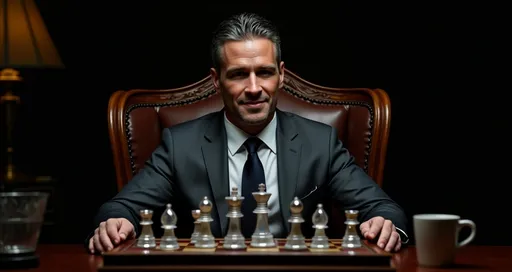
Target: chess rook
[234,239]
[146,238]
[296,240]
[262,237]
[320,219]
[351,238]
[197,225]
[205,238]
[168,241]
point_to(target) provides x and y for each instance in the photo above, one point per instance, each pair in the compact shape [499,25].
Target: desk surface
[471,258]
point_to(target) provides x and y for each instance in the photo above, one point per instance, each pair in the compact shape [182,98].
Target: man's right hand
[109,234]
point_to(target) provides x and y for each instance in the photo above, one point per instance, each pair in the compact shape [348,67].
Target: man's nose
[252,84]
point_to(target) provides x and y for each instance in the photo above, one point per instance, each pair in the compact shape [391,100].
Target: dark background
[448,149]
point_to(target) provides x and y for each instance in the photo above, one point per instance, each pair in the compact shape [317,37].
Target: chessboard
[129,257]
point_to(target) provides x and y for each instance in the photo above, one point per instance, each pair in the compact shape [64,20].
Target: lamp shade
[24,38]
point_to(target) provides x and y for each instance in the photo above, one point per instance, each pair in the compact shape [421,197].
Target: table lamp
[24,43]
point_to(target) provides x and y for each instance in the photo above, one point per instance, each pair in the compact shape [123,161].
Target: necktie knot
[252,144]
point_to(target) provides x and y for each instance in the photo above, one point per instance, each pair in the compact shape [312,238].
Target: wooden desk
[471,258]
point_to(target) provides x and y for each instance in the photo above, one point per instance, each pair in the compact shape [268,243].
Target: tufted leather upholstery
[136,118]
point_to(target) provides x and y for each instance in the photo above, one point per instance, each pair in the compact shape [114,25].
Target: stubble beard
[254,118]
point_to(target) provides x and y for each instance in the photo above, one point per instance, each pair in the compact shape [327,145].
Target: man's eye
[237,74]
[265,73]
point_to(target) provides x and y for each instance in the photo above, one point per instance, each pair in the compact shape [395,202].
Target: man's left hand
[388,237]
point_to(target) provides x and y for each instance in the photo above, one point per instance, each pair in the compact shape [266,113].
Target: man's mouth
[253,103]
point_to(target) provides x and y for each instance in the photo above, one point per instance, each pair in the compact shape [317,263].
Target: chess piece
[320,219]
[351,238]
[197,224]
[205,238]
[296,240]
[146,238]
[262,237]
[168,241]
[234,239]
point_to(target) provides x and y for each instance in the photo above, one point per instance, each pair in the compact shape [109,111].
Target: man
[249,142]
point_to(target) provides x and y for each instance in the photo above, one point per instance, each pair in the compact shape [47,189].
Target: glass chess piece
[296,240]
[234,239]
[351,238]
[320,220]
[262,237]
[197,225]
[146,238]
[168,241]
[205,239]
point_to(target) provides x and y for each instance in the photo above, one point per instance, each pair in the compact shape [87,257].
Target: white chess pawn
[205,239]
[296,240]
[351,238]
[146,238]
[195,215]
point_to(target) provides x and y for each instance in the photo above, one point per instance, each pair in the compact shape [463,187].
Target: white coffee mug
[437,237]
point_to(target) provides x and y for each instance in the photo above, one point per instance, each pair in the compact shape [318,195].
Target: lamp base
[19,261]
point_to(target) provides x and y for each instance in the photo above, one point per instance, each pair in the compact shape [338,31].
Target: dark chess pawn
[146,238]
[320,219]
[351,238]
[169,220]
[296,240]
[205,239]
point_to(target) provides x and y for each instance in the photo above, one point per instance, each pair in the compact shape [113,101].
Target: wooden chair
[361,115]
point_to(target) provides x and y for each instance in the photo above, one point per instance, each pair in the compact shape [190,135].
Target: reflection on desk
[74,258]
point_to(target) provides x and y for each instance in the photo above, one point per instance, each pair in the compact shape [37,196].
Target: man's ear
[215,78]
[281,75]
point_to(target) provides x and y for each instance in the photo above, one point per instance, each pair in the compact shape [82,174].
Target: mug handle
[470,224]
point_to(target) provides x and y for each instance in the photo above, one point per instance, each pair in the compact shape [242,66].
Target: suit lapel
[215,156]
[288,162]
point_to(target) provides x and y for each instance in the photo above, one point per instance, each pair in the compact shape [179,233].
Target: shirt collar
[236,137]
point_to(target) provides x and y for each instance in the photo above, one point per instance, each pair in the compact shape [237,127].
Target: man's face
[248,82]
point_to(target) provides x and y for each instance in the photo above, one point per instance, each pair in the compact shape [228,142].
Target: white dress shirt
[267,152]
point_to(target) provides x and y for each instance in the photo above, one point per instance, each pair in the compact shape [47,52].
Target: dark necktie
[252,176]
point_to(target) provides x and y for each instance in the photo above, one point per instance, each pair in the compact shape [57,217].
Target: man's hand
[389,239]
[110,233]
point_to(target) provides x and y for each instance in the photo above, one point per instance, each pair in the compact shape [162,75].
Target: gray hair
[241,27]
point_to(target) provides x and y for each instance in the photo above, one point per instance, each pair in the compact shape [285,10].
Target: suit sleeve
[352,187]
[150,188]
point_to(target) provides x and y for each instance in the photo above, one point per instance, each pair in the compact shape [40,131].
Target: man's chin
[255,119]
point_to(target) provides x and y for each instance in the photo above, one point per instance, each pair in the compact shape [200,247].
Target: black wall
[448,146]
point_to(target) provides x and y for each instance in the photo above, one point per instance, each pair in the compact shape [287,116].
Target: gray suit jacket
[191,163]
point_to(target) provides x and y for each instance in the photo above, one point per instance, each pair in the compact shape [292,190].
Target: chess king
[249,142]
